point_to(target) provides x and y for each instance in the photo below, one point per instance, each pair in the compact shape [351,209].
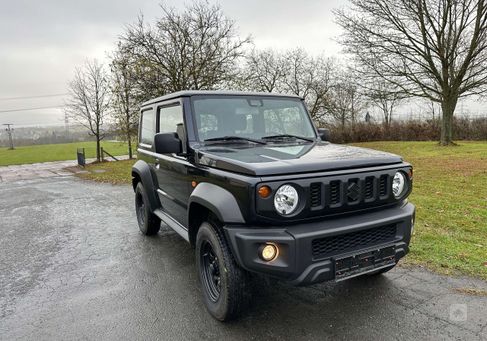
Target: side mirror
[324,134]
[167,143]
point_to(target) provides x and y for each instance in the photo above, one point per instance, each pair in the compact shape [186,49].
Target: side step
[172,223]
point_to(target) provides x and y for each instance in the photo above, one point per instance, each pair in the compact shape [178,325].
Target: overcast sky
[41,42]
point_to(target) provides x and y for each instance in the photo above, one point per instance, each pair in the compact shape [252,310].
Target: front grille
[342,194]
[329,246]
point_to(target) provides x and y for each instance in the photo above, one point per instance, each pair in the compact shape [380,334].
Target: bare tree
[384,96]
[434,49]
[124,94]
[293,72]
[196,48]
[345,100]
[310,78]
[263,71]
[88,101]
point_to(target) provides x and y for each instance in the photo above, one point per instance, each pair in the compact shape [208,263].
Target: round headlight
[286,199]
[398,184]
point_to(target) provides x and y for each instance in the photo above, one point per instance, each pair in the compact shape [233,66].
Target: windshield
[251,117]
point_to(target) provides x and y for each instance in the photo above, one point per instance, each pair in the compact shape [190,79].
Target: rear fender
[141,172]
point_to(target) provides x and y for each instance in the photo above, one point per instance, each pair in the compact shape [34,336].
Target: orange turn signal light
[264,191]
[410,173]
[193,184]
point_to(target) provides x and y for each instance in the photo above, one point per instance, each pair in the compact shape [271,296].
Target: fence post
[102,156]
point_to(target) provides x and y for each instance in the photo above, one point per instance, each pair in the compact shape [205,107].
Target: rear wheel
[149,223]
[225,286]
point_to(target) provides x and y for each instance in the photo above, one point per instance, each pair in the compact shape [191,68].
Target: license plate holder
[363,262]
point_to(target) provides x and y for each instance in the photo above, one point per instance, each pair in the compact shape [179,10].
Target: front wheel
[224,284]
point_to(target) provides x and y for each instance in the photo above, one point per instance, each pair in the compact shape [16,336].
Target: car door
[172,169]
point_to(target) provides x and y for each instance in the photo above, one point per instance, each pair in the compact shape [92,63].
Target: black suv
[255,188]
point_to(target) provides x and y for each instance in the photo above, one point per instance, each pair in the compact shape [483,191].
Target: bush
[413,130]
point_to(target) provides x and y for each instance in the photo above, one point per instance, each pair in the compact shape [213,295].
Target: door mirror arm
[324,134]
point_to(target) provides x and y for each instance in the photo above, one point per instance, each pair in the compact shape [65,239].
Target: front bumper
[304,259]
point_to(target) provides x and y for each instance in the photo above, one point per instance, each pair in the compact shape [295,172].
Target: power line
[36,96]
[27,109]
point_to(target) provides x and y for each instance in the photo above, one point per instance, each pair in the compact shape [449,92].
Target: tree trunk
[448,108]
[386,119]
[129,141]
[98,148]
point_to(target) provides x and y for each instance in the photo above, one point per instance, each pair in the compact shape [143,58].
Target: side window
[169,118]
[148,127]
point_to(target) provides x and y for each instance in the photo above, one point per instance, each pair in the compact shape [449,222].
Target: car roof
[189,93]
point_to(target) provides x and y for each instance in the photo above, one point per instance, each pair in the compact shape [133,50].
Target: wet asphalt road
[74,266]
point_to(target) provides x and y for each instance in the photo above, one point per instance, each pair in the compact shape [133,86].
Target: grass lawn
[450,193]
[116,173]
[56,152]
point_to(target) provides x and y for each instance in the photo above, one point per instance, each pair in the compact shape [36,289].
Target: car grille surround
[352,191]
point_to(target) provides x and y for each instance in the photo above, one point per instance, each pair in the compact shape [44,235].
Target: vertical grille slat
[315,191]
[383,185]
[335,192]
[369,188]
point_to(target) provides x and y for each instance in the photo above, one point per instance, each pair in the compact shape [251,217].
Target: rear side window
[148,126]
[169,118]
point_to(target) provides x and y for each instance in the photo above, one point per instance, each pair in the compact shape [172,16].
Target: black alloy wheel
[211,271]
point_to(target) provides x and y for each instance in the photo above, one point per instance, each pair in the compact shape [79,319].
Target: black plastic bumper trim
[295,262]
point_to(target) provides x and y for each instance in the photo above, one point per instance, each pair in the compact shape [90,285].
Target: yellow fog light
[269,252]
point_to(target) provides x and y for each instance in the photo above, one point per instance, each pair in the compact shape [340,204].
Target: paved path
[74,266]
[40,170]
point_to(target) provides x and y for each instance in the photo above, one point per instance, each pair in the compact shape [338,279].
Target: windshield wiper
[234,138]
[281,136]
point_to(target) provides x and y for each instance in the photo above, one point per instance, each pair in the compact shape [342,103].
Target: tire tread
[238,284]
[152,223]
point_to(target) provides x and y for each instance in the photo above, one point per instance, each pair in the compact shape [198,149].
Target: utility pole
[10,130]
[66,126]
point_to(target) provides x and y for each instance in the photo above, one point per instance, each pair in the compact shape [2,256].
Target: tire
[224,285]
[149,223]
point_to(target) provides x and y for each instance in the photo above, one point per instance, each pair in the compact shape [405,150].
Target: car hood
[279,159]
